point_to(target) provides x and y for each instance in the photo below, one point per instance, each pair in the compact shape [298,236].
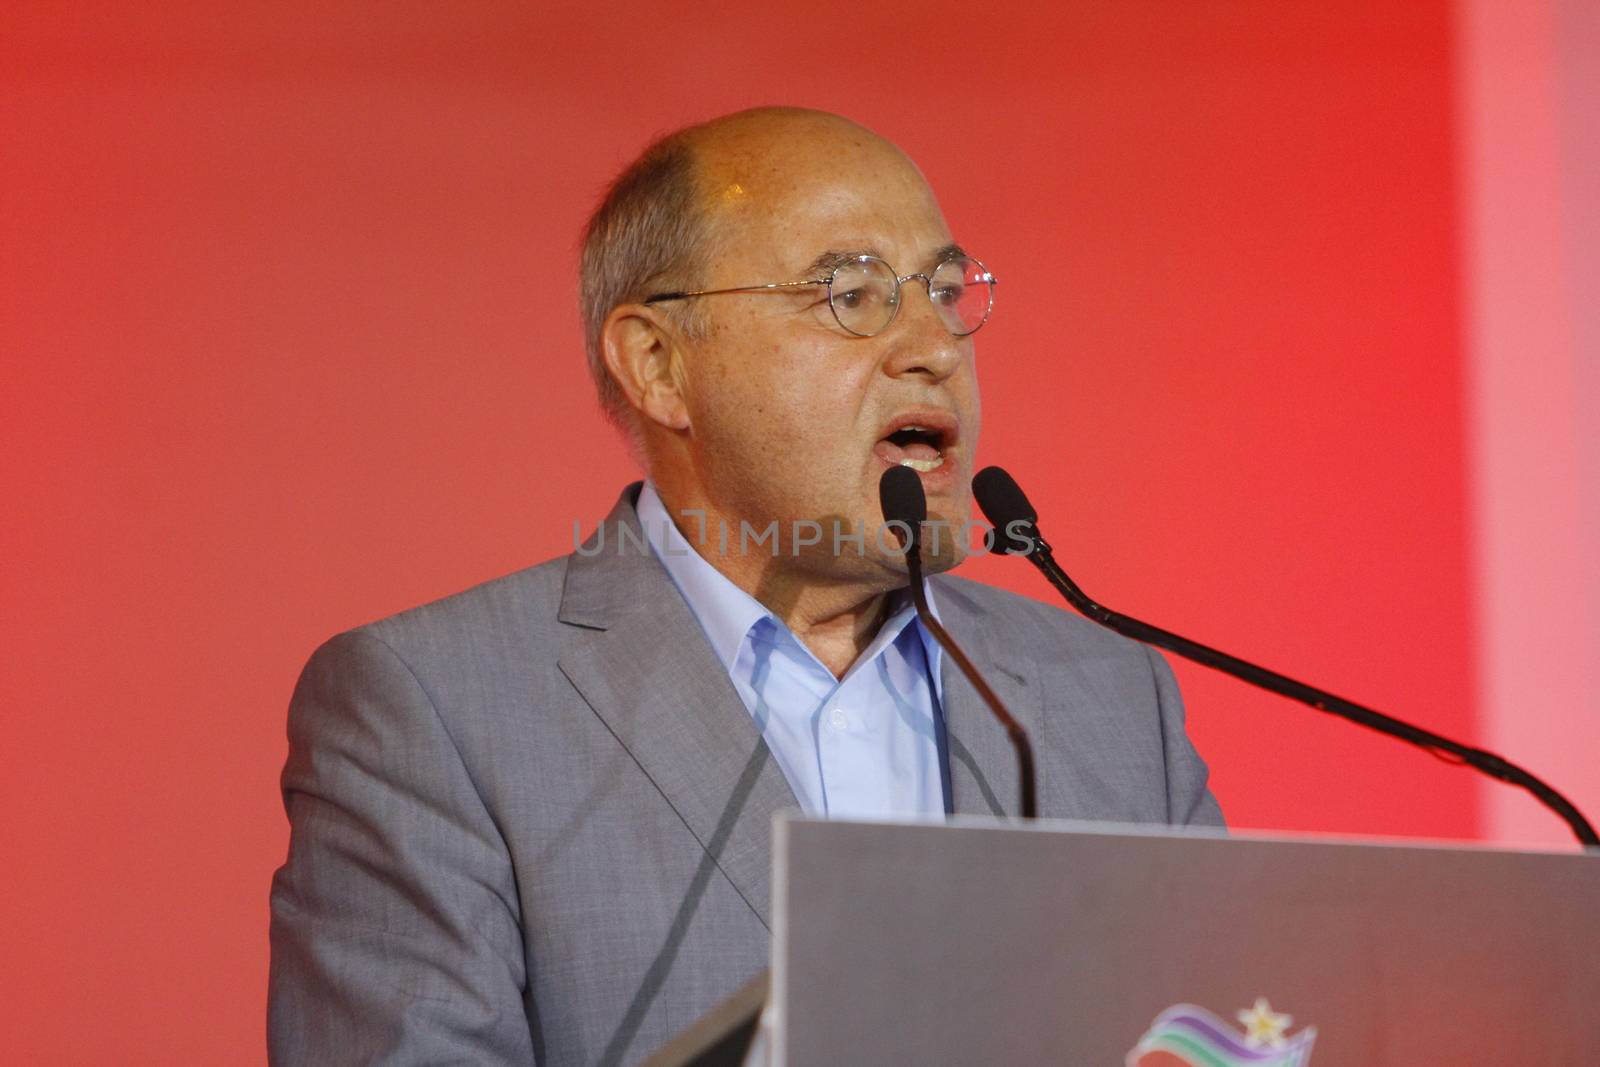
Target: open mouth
[919,447]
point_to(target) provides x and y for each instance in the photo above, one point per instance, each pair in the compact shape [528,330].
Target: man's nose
[919,340]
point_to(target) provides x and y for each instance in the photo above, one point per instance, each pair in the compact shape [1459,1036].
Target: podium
[985,942]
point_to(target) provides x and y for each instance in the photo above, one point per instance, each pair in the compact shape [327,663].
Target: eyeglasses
[864,293]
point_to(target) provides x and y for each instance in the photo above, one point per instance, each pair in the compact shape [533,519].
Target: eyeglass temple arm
[660,297]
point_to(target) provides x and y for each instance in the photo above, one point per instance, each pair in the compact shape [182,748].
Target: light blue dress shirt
[862,746]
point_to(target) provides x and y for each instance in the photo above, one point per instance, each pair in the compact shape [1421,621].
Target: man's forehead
[847,176]
[885,211]
[785,188]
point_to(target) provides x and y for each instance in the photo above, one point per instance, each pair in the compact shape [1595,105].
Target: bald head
[752,153]
[662,222]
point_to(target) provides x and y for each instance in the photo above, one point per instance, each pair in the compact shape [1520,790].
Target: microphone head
[902,499]
[1003,503]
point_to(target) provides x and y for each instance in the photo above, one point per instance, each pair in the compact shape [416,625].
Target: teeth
[923,465]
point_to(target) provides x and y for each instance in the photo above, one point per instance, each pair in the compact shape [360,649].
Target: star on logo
[1263,1026]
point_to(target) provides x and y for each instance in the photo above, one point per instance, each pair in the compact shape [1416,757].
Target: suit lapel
[983,765]
[641,661]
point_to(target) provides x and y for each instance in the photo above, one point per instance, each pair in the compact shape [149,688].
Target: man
[531,821]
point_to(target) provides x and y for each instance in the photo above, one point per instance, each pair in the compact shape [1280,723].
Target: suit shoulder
[1029,626]
[512,603]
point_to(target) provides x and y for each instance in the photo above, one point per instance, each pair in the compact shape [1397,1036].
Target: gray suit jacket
[530,822]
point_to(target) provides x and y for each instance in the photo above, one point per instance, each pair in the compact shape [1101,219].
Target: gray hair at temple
[650,233]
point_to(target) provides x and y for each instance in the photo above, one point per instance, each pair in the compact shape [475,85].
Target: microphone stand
[901,498]
[1014,729]
[1039,553]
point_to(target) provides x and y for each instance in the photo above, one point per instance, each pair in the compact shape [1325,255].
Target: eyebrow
[836,257]
[832,258]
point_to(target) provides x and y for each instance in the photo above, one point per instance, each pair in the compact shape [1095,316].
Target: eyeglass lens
[865,295]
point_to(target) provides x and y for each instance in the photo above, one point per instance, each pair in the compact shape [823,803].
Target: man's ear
[643,358]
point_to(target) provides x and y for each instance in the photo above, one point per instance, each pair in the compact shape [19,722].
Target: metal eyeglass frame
[899,280]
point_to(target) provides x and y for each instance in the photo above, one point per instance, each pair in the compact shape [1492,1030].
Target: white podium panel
[994,943]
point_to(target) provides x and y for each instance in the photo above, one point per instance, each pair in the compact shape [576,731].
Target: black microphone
[1017,533]
[904,504]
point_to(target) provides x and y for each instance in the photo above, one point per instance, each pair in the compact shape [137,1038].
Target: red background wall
[289,343]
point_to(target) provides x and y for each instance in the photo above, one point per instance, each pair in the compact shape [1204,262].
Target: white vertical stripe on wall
[1529,113]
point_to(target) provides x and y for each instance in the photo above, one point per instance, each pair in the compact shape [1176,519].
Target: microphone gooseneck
[1017,532]
[904,504]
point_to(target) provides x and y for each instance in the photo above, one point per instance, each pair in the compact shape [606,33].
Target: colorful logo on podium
[1185,1034]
